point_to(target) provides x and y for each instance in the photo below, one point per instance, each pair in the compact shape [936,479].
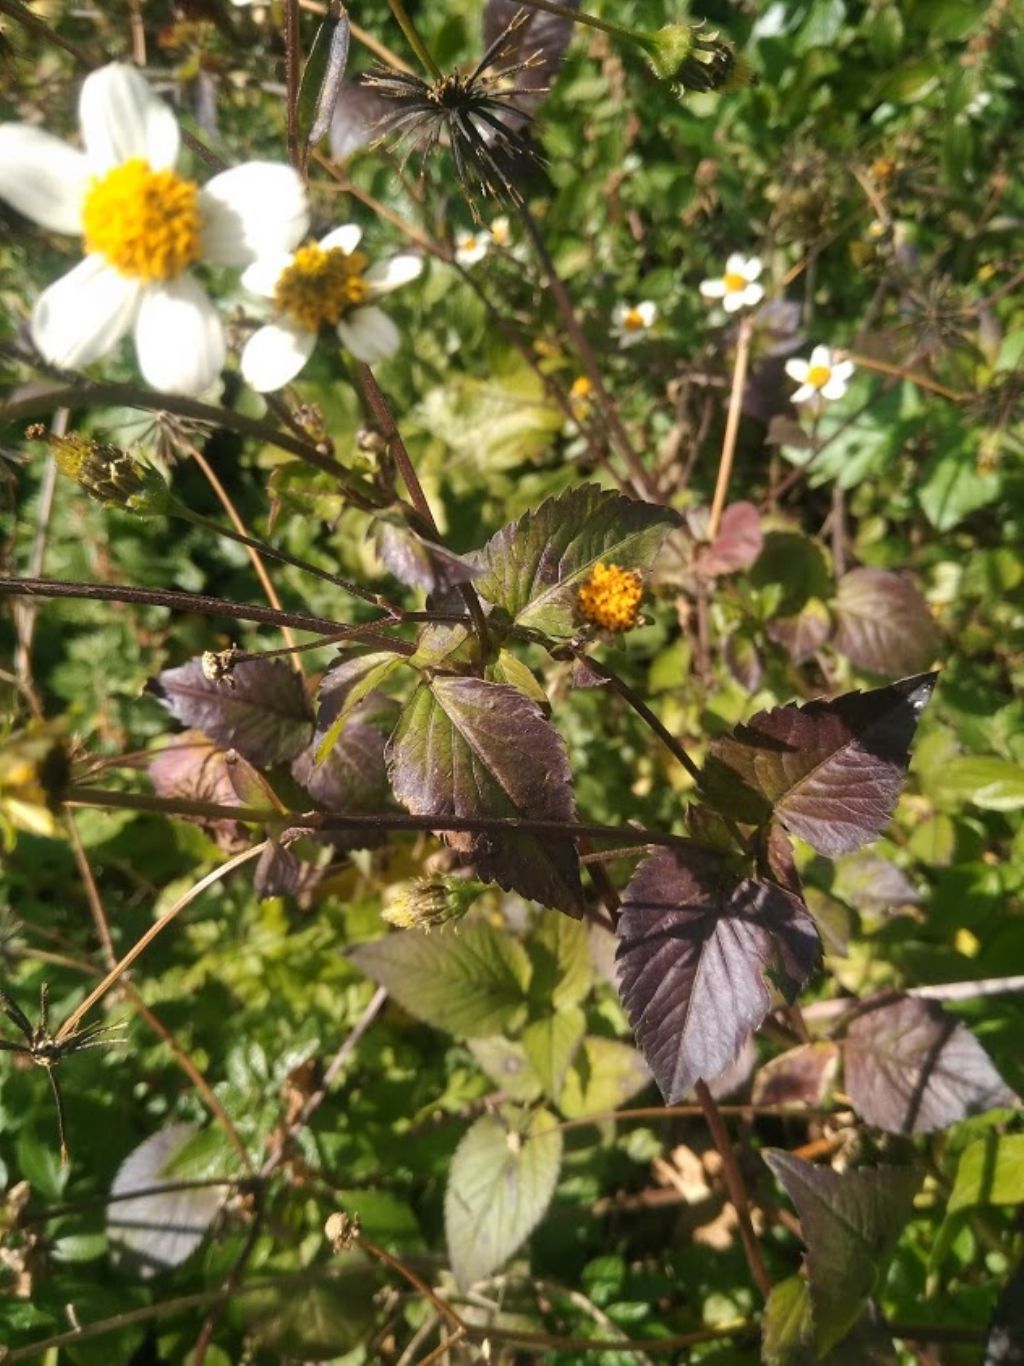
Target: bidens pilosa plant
[508,787]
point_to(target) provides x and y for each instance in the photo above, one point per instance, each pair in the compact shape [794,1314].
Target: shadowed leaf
[1005,1346]
[910,1068]
[695,944]
[851,1222]
[501,1181]
[358,112]
[420,563]
[472,983]
[801,1076]
[883,622]
[262,711]
[738,544]
[192,768]
[466,747]
[533,568]
[342,690]
[543,40]
[831,772]
[803,634]
[353,776]
[322,77]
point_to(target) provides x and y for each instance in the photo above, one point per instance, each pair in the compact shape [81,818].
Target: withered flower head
[480,116]
[107,473]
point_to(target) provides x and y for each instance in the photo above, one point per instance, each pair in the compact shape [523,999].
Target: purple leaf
[737,545]
[192,768]
[466,747]
[358,113]
[800,1076]
[910,1068]
[353,776]
[851,1222]
[830,772]
[262,710]
[884,624]
[695,943]
[420,563]
[544,39]
[804,633]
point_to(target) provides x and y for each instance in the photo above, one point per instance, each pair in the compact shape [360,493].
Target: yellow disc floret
[321,286]
[145,222]
[818,376]
[610,597]
[734,282]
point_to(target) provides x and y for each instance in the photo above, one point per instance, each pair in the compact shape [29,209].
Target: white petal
[370,335]
[275,354]
[256,209]
[805,392]
[385,276]
[712,289]
[348,237]
[732,302]
[797,369]
[619,313]
[753,294]
[821,355]
[178,337]
[84,314]
[735,263]
[648,312]
[843,369]
[751,268]
[262,276]
[834,387]
[42,177]
[122,118]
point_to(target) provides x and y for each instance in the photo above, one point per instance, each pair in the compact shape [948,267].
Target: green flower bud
[430,901]
[108,473]
[699,61]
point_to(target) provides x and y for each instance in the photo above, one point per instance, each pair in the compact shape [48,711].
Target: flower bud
[429,901]
[699,61]
[108,473]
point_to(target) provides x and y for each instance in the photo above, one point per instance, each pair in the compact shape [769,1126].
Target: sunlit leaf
[500,1183]
[322,76]
[551,1043]
[883,622]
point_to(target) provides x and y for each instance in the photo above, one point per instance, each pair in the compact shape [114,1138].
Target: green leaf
[341,692]
[952,487]
[501,1182]
[322,77]
[533,568]
[604,1075]
[551,1044]
[505,1062]
[468,748]
[851,1222]
[991,1172]
[319,1320]
[471,983]
[507,668]
[562,967]
[984,780]
[787,1328]
[495,422]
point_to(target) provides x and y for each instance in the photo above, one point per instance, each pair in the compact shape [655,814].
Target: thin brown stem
[732,426]
[292,63]
[737,1190]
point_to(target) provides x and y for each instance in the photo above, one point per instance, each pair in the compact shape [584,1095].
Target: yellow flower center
[818,376]
[610,597]
[145,222]
[634,320]
[581,387]
[734,282]
[321,286]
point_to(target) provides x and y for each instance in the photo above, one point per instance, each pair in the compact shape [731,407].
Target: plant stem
[292,60]
[414,40]
[75,795]
[737,1190]
[579,17]
[732,426]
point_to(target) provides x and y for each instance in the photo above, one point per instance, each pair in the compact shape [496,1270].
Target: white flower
[143,227]
[737,288]
[328,283]
[820,377]
[501,232]
[471,247]
[630,322]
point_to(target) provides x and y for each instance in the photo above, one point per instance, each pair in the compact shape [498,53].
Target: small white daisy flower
[631,322]
[471,247]
[820,377]
[324,284]
[143,227]
[738,287]
[501,232]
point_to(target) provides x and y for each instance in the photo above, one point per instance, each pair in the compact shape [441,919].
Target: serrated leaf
[604,1075]
[322,76]
[800,1076]
[851,1222]
[883,622]
[466,747]
[160,1230]
[262,710]
[192,767]
[472,983]
[551,1044]
[353,775]
[830,771]
[695,944]
[420,563]
[562,966]
[505,1062]
[533,568]
[909,1067]
[501,1181]
[507,668]
[342,690]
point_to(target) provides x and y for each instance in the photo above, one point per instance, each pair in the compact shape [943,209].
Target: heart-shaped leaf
[695,943]
[830,771]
